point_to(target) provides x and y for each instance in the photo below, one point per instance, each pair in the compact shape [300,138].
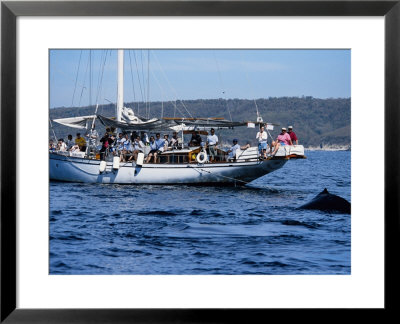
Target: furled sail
[141,124]
[80,122]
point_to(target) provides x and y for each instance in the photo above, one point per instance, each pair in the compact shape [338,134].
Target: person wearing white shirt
[234,148]
[262,141]
[173,143]
[137,147]
[120,142]
[212,142]
[61,146]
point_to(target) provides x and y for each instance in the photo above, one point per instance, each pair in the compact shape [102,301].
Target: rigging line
[99,85]
[101,72]
[222,86]
[140,84]
[162,92]
[172,88]
[176,108]
[84,82]
[90,78]
[144,89]
[148,82]
[251,86]
[133,84]
[51,126]
[76,79]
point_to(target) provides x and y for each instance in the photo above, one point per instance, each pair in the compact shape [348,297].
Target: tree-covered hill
[315,121]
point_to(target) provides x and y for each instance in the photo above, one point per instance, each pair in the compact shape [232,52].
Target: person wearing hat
[234,148]
[282,139]
[292,135]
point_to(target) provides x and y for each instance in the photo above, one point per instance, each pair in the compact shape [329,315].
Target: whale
[328,202]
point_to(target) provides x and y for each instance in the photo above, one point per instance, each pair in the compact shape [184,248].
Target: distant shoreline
[329,148]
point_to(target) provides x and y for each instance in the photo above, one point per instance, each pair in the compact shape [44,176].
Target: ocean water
[188,230]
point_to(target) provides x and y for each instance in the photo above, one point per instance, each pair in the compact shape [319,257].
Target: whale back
[328,202]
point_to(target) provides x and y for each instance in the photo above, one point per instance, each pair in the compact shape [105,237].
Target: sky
[87,77]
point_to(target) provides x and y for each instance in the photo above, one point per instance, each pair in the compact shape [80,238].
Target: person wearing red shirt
[293,136]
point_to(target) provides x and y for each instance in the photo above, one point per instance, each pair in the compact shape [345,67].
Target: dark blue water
[114,229]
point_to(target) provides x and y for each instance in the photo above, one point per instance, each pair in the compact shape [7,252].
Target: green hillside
[315,121]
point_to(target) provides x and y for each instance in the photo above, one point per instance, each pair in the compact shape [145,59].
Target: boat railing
[184,155]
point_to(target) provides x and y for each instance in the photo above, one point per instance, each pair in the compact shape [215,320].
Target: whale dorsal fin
[325,191]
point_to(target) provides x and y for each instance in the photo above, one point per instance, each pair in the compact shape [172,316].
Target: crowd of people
[128,145]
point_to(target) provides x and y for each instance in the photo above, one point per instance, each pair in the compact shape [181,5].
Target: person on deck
[119,144]
[196,139]
[52,147]
[234,148]
[61,146]
[106,141]
[160,142]
[262,138]
[70,142]
[144,138]
[212,142]
[292,135]
[282,139]
[166,142]
[112,144]
[81,142]
[173,143]
[137,146]
[153,149]
[127,148]
[92,138]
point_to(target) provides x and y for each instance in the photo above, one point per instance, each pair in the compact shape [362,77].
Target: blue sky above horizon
[83,77]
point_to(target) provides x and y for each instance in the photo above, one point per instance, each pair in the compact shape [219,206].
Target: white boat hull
[76,169]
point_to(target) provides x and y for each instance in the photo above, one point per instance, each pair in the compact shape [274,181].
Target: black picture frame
[10,10]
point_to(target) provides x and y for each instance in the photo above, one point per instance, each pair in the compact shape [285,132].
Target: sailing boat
[183,165]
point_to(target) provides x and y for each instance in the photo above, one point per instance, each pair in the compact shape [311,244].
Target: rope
[51,126]
[84,83]
[251,86]
[76,79]
[218,175]
[133,84]
[222,86]
[148,83]
[172,88]
[144,88]
[140,84]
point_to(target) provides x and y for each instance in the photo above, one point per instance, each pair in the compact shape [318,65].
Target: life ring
[201,157]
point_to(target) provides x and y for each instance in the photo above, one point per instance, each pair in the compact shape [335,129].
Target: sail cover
[80,122]
[144,124]
[176,124]
[133,123]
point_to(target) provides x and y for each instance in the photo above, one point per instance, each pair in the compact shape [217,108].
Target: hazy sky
[165,75]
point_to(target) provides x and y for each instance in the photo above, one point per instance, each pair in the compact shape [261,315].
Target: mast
[120,87]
